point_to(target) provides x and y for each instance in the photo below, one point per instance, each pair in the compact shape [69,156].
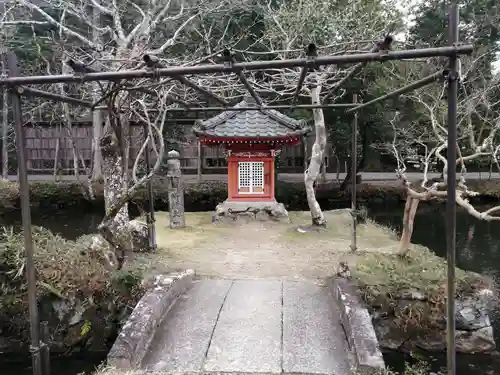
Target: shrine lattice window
[251,177]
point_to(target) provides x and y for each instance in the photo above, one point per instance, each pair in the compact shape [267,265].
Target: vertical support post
[175,191]
[200,160]
[304,145]
[150,219]
[45,347]
[5,132]
[26,216]
[354,164]
[5,107]
[451,219]
[56,159]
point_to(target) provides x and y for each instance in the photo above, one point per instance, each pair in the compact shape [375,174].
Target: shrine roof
[264,123]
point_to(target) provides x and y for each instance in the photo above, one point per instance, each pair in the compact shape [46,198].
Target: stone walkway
[251,326]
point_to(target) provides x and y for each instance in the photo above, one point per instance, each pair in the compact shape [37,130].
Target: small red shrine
[252,138]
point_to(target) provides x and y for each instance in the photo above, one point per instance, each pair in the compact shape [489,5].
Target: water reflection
[69,365]
[478,242]
[477,247]
[70,225]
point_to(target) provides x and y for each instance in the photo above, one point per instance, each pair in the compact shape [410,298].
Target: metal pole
[207,93]
[354,165]
[26,217]
[451,219]
[200,161]
[45,347]
[412,86]
[257,108]
[312,53]
[176,72]
[249,88]
[28,91]
[151,204]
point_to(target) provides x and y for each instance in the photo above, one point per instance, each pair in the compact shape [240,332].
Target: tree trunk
[408,220]
[115,231]
[317,153]
[124,235]
[114,178]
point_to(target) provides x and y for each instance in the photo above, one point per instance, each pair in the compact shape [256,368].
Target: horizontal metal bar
[413,86]
[252,65]
[28,91]
[257,108]
[201,90]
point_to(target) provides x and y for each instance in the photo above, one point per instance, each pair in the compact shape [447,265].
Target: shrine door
[251,177]
[250,180]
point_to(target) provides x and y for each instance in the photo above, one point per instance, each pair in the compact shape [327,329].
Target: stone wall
[358,328]
[473,325]
[137,333]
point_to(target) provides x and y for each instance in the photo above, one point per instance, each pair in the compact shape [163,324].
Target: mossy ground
[266,249]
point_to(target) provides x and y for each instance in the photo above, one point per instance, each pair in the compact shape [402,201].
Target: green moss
[385,279]
[489,189]
[419,368]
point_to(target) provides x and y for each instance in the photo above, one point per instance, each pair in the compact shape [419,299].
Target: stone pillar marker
[175,191]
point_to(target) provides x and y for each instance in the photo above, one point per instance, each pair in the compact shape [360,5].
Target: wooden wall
[43,140]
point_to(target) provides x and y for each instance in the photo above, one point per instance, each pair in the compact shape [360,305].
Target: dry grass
[63,267]
[65,270]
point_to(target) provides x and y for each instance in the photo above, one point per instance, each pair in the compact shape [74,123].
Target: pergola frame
[16,84]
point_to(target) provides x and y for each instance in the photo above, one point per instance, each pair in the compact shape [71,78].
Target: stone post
[175,191]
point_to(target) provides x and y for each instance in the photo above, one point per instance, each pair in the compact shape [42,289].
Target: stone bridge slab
[251,326]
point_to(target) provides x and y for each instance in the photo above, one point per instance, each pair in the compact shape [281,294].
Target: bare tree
[191,32]
[328,28]
[113,35]
[421,137]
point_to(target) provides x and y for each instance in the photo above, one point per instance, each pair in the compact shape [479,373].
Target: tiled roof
[250,124]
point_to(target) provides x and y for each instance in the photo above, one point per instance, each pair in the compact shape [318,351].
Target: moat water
[478,249]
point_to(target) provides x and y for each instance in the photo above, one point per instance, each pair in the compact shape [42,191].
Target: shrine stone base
[230,211]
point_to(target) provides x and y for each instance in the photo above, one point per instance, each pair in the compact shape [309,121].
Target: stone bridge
[188,325]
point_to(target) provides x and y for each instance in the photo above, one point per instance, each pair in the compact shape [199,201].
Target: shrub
[65,270]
